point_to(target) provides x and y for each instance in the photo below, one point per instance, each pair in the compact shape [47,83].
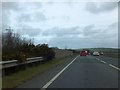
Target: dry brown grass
[112,55]
[62,53]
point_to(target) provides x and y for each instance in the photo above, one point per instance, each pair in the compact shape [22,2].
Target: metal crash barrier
[12,66]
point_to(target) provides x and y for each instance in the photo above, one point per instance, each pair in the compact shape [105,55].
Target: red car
[83,53]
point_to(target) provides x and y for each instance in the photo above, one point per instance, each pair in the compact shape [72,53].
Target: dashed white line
[114,66]
[98,59]
[108,64]
[53,79]
[102,61]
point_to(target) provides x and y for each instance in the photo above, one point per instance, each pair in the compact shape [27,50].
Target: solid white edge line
[114,66]
[53,79]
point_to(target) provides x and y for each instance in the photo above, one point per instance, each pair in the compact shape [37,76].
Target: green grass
[18,78]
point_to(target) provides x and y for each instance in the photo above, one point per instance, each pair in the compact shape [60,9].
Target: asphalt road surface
[80,72]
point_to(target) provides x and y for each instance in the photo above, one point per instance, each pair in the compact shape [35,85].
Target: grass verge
[18,78]
[112,55]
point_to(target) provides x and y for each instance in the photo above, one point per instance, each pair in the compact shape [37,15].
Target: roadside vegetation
[14,47]
[112,55]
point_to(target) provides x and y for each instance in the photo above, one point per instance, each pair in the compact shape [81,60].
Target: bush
[21,57]
[17,48]
[51,54]
[45,51]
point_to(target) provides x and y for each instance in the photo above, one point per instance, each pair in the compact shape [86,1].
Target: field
[62,53]
[112,55]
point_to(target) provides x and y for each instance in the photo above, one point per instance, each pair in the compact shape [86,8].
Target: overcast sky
[64,24]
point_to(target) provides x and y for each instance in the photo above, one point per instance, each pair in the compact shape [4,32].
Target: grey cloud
[5,20]
[34,17]
[33,32]
[81,42]
[88,32]
[111,31]
[103,7]
[50,3]
[61,37]
[9,6]
[91,7]
[109,6]
[36,5]
[24,18]
[113,25]
[67,42]
[91,31]
[17,7]
[28,30]
[93,37]
[66,18]
[40,17]
[20,5]
[63,32]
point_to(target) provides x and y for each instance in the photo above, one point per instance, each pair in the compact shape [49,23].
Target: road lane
[57,75]
[113,61]
[87,72]
[84,72]
[41,79]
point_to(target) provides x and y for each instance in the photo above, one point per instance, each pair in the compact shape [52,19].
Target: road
[110,60]
[81,72]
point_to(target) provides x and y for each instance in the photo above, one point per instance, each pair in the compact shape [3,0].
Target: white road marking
[102,61]
[53,79]
[108,64]
[114,66]
[97,58]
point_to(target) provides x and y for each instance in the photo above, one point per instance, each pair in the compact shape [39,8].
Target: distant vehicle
[83,53]
[101,53]
[95,53]
[89,53]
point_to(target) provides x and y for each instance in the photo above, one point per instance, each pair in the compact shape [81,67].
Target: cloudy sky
[63,24]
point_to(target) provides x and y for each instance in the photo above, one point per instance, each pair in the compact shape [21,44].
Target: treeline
[16,48]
